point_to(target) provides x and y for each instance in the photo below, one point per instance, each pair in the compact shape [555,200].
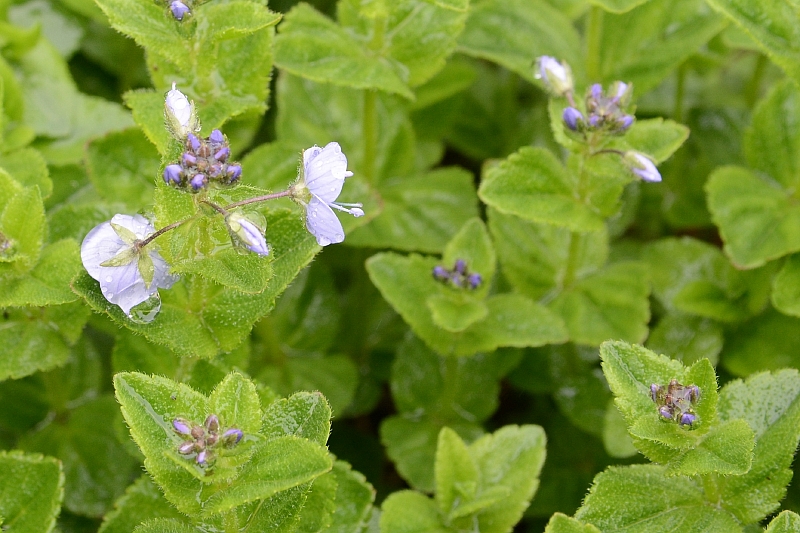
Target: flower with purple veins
[246,233]
[320,183]
[128,274]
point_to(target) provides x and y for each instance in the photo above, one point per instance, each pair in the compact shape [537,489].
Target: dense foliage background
[443,407]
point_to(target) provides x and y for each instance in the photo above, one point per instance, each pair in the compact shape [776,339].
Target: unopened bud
[556,76]
[179,9]
[212,423]
[234,171]
[687,419]
[179,112]
[182,426]
[186,448]
[232,437]
[440,273]
[198,181]
[642,166]
[665,412]
[172,174]
[572,118]
[474,280]
[216,137]
[246,233]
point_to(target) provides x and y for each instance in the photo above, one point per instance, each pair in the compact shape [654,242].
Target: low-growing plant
[562,293]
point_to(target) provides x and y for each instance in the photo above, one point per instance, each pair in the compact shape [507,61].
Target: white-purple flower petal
[322,223]
[123,285]
[642,166]
[325,170]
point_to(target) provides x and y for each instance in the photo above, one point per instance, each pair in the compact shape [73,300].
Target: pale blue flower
[642,166]
[324,172]
[245,232]
[124,285]
[180,114]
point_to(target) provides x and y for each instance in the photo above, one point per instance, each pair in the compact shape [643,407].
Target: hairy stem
[257,199]
[162,231]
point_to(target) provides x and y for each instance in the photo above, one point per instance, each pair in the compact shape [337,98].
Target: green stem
[680,88]
[754,84]
[594,37]
[162,231]
[256,199]
[370,134]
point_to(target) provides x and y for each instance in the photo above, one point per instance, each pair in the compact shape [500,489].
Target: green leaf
[164,525]
[770,24]
[643,498]
[31,490]
[234,19]
[354,497]
[618,6]
[39,338]
[728,449]
[630,370]
[147,107]
[272,166]
[22,222]
[512,320]
[786,522]
[411,444]
[415,35]
[533,184]
[277,465]
[561,523]
[96,466]
[48,282]
[420,213]
[646,44]
[514,33]
[304,414]
[770,404]
[314,47]
[407,511]
[133,353]
[141,501]
[122,167]
[456,473]
[235,400]
[320,504]
[693,277]
[786,287]
[655,137]
[616,440]
[336,376]
[773,334]
[279,513]
[687,338]
[28,168]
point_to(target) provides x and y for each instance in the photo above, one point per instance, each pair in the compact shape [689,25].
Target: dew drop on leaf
[146,312]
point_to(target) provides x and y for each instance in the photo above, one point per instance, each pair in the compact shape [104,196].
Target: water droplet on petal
[339,237]
[109,296]
[146,312]
[314,213]
[109,279]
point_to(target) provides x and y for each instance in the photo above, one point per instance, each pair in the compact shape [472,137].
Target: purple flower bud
[198,432]
[182,426]
[694,393]
[179,9]
[625,122]
[596,91]
[642,166]
[215,170]
[189,159]
[474,280]
[234,171]
[212,423]
[461,266]
[198,181]
[665,412]
[201,458]
[194,142]
[458,279]
[654,390]
[572,118]
[172,174]
[216,137]
[232,437]
[594,120]
[441,273]
[212,439]
[186,448]
[687,419]
[222,154]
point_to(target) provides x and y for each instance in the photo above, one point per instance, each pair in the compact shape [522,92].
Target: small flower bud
[461,266]
[198,432]
[194,142]
[186,448]
[212,439]
[440,273]
[189,159]
[232,437]
[212,423]
[198,181]
[246,233]
[573,118]
[179,9]
[474,280]
[625,122]
[216,137]
[179,112]
[172,174]
[215,170]
[687,419]
[555,75]
[182,426]
[222,154]
[665,412]
[654,390]
[234,171]
[621,92]
[694,393]
[642,166]
[202,457]
[595,120]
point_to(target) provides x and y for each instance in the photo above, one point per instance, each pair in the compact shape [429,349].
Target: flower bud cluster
[203,441]
[458,277]
[676,402]
[179,9]
[606,111]
[203,161]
